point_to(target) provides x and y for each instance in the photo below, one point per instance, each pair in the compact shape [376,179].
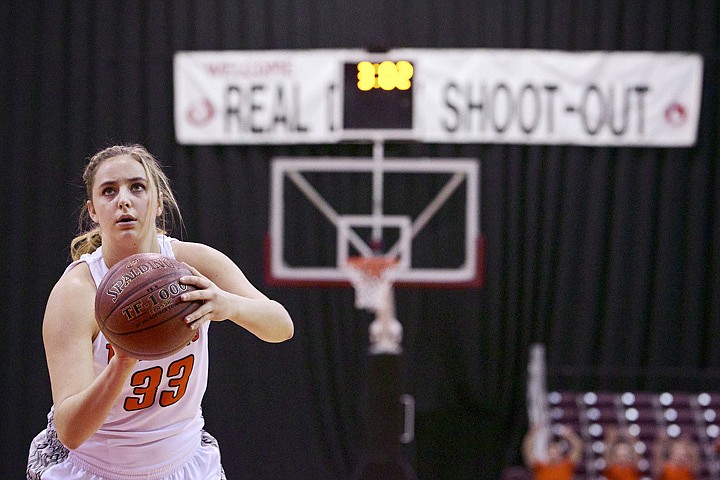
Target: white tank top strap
[97,266]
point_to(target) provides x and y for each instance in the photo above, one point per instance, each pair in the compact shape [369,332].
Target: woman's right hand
[123,356]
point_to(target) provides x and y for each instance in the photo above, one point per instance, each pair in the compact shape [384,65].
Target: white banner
[551,97]
[257,97]
[458,96]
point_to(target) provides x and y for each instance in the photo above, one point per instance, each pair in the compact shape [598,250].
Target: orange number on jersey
[179,373]
[146,383]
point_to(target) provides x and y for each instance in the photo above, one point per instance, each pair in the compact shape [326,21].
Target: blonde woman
[106,421]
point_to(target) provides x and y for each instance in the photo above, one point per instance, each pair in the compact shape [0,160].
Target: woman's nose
[123,199]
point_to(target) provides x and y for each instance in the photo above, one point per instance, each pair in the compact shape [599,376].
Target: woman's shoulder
[194,252]
[206,259]
[74,284]
[72,300]
[78,275]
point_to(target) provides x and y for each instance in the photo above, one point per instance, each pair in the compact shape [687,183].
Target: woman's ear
[160,205]
[91,211]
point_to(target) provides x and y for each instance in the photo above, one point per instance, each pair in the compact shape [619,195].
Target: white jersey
[156,422]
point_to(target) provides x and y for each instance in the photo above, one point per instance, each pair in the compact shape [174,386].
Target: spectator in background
[621,456]
[564,453]
[675,458]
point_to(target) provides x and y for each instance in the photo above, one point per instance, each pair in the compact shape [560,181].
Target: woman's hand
[216,304]
[123,357]
[226,294]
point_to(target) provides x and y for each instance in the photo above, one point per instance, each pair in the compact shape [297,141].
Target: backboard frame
[469,275]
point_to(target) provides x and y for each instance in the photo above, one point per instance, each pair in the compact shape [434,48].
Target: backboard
[424,212]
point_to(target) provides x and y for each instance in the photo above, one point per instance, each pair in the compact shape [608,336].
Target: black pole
[383,457]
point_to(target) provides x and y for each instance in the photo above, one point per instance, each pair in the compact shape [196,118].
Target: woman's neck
[113,252]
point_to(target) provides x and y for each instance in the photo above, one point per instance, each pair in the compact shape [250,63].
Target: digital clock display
[386,75]
[378,95]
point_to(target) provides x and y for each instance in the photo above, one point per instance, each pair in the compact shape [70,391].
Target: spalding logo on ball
[138,306]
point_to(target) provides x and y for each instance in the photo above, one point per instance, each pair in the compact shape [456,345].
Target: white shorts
[50,460]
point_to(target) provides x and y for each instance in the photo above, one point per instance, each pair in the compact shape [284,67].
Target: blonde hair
[90,238]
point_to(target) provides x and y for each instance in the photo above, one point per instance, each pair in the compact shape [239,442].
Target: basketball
[138,306]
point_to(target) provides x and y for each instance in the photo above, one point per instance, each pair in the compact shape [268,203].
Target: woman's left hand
[214,299]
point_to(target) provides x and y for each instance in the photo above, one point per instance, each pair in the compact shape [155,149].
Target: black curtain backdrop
[609,256]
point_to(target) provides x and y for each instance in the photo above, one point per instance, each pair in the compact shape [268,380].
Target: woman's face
[623,453]
[555,452]
[680,453]
[124,201]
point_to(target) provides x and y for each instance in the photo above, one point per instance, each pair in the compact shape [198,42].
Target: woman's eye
[137,187]
[108,191]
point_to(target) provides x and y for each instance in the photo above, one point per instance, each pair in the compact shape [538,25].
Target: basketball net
[372,278]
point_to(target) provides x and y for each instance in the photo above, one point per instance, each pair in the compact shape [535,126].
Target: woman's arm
[693,453]
[659,452]
[228,295]
[528,446]
[81,401]
[576,444]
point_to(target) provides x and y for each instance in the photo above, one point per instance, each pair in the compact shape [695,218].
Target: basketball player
[564,453]
[114,417]
[675,458]
[621,456]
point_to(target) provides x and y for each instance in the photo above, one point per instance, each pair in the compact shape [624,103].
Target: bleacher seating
[641,413]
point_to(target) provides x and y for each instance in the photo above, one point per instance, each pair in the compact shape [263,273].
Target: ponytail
[86,242]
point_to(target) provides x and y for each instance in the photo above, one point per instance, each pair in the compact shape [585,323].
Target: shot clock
[386,75]
[378,95]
